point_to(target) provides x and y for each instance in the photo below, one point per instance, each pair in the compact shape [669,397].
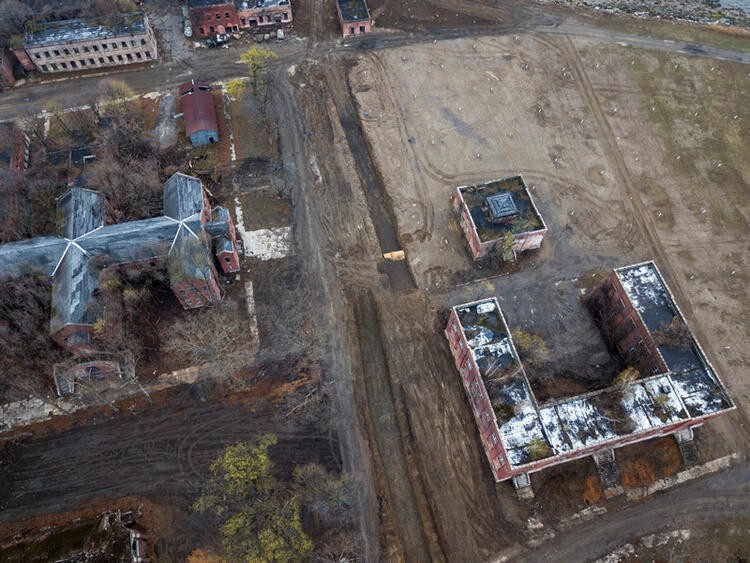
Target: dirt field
[628,154]
[160,453]
[374,165]
[629,158]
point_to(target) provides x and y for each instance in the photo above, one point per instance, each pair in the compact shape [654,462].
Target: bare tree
[13,14]
[211,335]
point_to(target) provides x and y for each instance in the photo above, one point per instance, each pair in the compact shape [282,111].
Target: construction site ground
[630,155]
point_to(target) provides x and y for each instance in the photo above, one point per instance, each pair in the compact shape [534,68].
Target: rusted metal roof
[198,107]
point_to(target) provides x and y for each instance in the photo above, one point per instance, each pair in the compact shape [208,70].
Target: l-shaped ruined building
[181,240]
[676,391]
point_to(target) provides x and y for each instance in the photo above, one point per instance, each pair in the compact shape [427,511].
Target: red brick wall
[467,226]
[622,325]
[206,23]
[350,29]
[79,349]
[477,396]
[6,70]
[193,293]
[230,261]
[528,241]
[264,17]
[20,157]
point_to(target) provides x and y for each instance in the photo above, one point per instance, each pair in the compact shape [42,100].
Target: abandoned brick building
[14,148]
[354,17]
[677,390]
[7,77]
[209,17]
[491,212]
[81,44]
[179,241]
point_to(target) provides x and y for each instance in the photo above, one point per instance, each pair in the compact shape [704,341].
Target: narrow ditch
[397,271]
[387,433]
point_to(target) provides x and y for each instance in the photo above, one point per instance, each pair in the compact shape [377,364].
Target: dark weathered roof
[354,10]
[188,257]
[198,107]
[66,31]
[219,224]
[183,196]
[133,241]
[73,290]
[38,255]
[79,212]
[74,261]
[697,383]
[479,199]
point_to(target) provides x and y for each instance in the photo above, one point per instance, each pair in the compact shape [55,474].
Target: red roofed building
[199,113]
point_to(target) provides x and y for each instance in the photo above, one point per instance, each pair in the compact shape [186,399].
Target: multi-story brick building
[490,212]
[7,78]
[179,241]
[81,44]
[354,17]
[209,17]
[14,148]
[677,391]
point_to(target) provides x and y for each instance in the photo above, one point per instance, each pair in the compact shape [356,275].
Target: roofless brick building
[677,390]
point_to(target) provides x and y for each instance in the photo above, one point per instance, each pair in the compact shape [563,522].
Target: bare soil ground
[158,452]
[720,540]
[577,121]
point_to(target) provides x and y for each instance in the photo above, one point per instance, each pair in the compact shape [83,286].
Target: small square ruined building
[499,215]
[354,17]
[673,387]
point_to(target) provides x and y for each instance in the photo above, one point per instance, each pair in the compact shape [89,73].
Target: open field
[630,155]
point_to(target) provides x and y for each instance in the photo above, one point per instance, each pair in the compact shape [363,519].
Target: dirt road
[726,495]
[221,64]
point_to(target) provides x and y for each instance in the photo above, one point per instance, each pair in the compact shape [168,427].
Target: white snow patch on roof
[642,285]
[553,428]
[483,337]
[583,423]
[499,348]
[486,307]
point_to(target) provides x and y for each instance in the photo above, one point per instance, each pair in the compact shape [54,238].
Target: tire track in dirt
[317,25]
[377,198]
[387,434]
[428,211]
[143,454]
[643,219]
